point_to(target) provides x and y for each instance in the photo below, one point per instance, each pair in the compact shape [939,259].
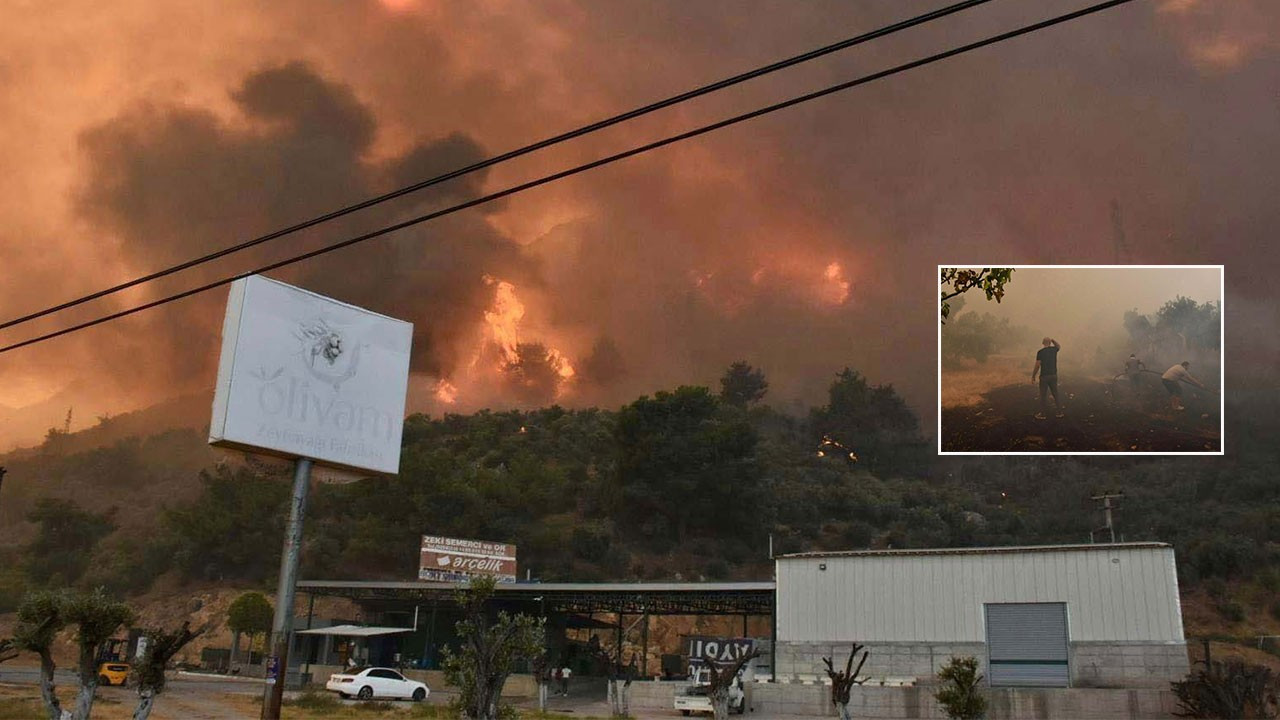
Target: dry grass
[18,702]
[966,384]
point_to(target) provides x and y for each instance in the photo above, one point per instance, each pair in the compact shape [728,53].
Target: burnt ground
[1101,416]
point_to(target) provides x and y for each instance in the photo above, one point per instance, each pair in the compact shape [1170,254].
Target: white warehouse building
[1105,615]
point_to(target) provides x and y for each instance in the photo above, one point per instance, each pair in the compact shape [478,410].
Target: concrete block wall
[886,660]
[917,703]
[1128,665]
[1095,703]
[649,695]
[1093,664]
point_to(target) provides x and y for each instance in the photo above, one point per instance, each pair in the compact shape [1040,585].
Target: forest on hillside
[683,484]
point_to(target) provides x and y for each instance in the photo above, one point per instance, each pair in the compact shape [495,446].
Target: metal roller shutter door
[1027,644]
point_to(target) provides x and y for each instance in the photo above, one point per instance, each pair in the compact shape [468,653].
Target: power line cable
[511,155]
[515,189]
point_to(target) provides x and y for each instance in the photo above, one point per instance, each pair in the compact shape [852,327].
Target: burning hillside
[1099,416]
[503,358]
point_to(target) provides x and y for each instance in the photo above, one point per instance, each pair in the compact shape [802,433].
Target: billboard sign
[302,375]
[454,560]
[718,650]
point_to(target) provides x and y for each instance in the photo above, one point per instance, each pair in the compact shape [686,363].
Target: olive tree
[40,619]
[149,671]
[96,618]
[618,681]
[541,666]
[8,649]
[489,651]
[842,681]
[94,615]
[721,676]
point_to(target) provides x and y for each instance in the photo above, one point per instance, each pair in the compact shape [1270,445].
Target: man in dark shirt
[1132,367]
[1047,369]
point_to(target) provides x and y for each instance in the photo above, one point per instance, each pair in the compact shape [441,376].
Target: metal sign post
[305,376]
[282,625]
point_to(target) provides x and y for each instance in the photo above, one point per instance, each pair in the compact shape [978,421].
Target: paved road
[63,677]
[195,697]
[184,697]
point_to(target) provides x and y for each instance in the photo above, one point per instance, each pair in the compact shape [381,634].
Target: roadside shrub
[590,541]
[1231,610]
[717,569]
[455,709]
[1228,689]
[316,701]
[961,694]
[1224,556]
[1216,588]
[1269,579]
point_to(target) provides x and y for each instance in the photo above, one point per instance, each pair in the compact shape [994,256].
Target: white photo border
[1222,353]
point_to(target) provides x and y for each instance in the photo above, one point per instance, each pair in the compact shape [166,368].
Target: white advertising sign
[302,375]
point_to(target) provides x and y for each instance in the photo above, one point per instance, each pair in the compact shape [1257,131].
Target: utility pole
[2,472]
[1123,256]
[1107,507]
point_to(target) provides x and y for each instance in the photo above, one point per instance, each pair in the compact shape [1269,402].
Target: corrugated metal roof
[979,550]
[548,587]
[354,631]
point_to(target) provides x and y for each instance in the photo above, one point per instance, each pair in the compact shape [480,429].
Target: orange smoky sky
[136,134]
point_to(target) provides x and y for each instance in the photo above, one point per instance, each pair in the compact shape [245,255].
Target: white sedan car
[373,682]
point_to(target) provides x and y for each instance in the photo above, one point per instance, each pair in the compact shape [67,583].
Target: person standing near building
[565,672]
[1177,374]
[1047,369]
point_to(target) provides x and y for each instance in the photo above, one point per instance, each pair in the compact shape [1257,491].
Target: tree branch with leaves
[957,281]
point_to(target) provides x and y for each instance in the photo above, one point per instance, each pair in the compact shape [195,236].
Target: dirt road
[1100,416]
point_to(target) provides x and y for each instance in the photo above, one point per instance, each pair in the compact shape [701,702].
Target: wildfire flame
[836,291]
[824,284]
[504,318]
[502,337]
[397,6]
[561,363]
[446,392]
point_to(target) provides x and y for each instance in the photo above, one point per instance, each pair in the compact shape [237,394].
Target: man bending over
[1174,375]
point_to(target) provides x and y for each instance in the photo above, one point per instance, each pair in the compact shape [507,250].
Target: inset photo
[1076,359]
